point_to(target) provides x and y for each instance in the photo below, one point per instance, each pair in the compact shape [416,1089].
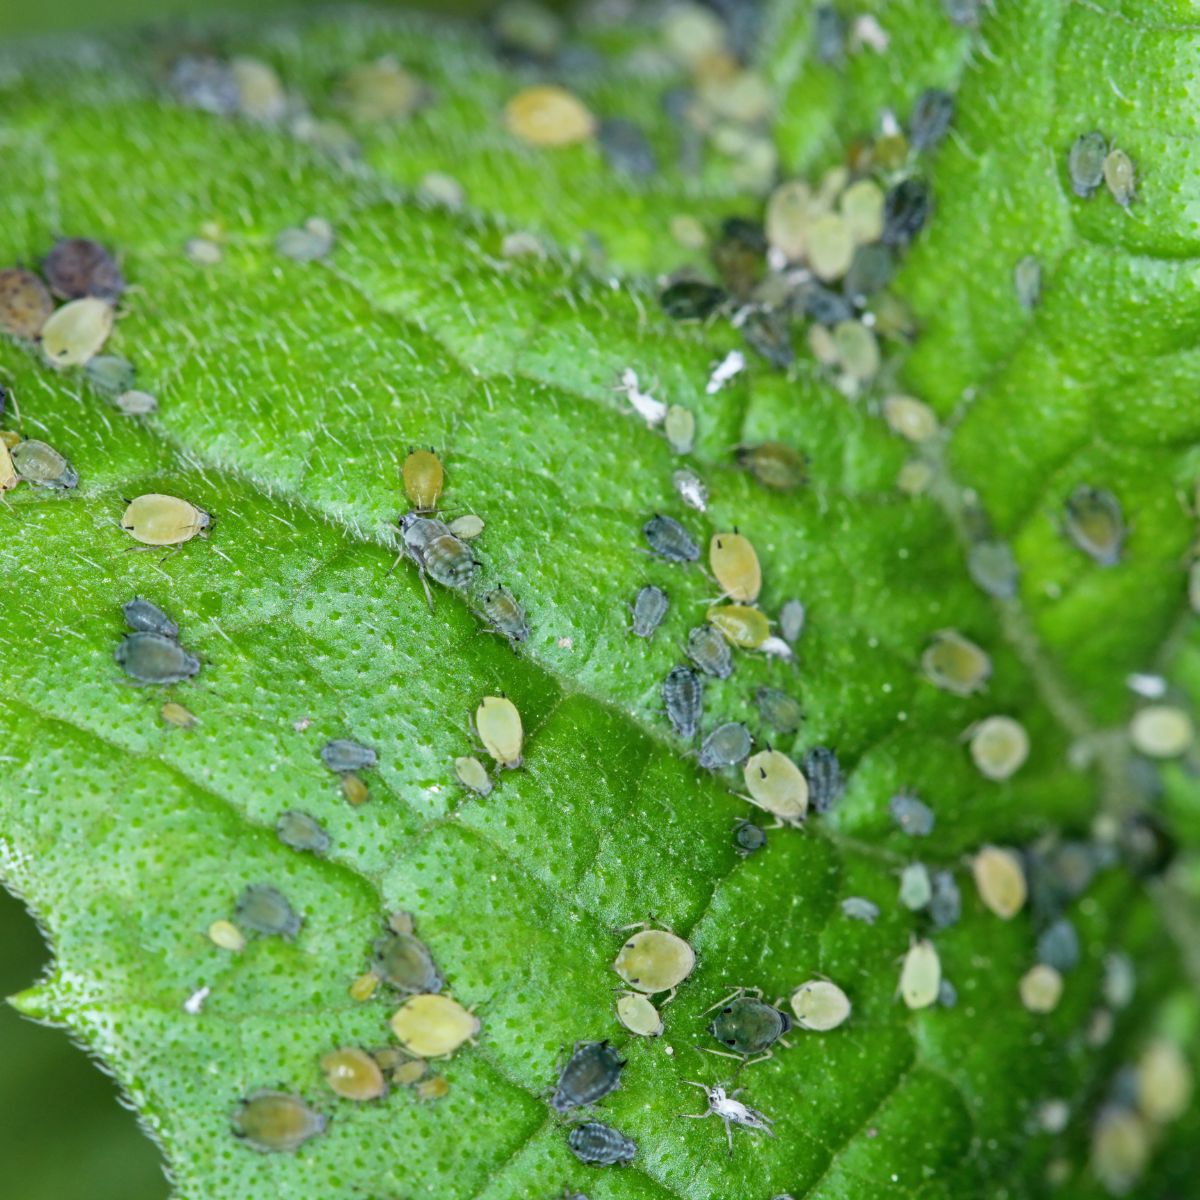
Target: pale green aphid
[921,975]
[820,1005]
[999,747]
[472,774]
[680,428]
[77,332]
[654,960]
[498,724]
[266,910]
[638,1014]
[275,1122]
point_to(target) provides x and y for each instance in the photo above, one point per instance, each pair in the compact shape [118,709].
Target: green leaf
[288,394]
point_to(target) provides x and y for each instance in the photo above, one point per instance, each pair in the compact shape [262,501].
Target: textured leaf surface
[288,394]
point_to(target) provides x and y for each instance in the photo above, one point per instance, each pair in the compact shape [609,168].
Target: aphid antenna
[736,994]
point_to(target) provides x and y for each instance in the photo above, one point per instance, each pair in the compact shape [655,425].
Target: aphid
[436,1087]
[1041,988]
[964,13]
[353,1074]
[42,465]
[914,477]
[905,211]
[1085,162]
[274,1122]
[380,91]
[776,647]
[225,935]
[1120,1150]
[743,626]
[638,1015]
[432,1026]
[354,790]
[506,614]
[726,746]
[791,621]
[76,332]
[825,780]
[779,710]
[649,607]
[1058,946]
[769,333]
[145,617]
[748,837]
[157,520]
[466,527]
[691,300]
[81,267]
[820,1005]
[999,747]
[748,1025]
[205,84]
[921,975]
[668,539]
[992,566]
[916,890]
[405,1071]
[734,562]
[133,403]
[498,724]
[732,364]
[472,774]
[912,815]
[549,116]
[1164,1081]
[175,714]
[1161,731]
[857,350]
[910,418]
[829,38]
[299,830]
[731,1111]
[693,491]
[789,214]
[437,552]
[861,206]
[709,651]
[683,698]
[955,664]
[266,910]
[871,270]
[654,960]
[25,305]
[1095,524]
[423,477]
[945,904]
[947,994]
[1027,279]
[311,241]
[202,252]
[777,786]
[830,245]
[1000,880]
[592,1071]
[931,117]
[774,465]
[364,987]
[1119,177]
[652,410]
[739,253]
[626,148]
[153,658]
[680,428]
[404,962]
[342,755]
[858,908]
[109,374]
[600,1145]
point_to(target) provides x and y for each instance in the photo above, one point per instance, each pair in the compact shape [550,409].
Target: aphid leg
[723,1054]
[670,997]
[728,1134]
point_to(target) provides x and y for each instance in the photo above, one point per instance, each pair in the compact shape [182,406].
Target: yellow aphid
[423,478]
[431,1026]
[157,520]
[1161,731]
[1000,880]
[1164,1081]
[1120,1148]
[830,247]
[177,715]
[408,1073]
[820,1005]
[745,627]
[353,1074]
[77,332]
[354,790]
[472,774]
[789,213]
[654,960]
[8,473]
[777,786]
[735,564]
[499,726]
[364,987]
[436,1087]
[910,418]
[1041,988]
[954,663]
[921,975]
[227,936]
[547,115]
[638,1015]
[999,746]
[862,210]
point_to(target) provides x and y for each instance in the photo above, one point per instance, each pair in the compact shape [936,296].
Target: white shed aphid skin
[652,411]
[194,1004]
[734,562]
[777,785]
[498,724]
[999,747]
[859,908]
[731,1110]
[692,490]
[654,960]
[158,520]
[921,975]
[77,332]
[636,1012]
[776,647]
[680,428]
[732,364]
[1161,731]
[820,1005]
[956,664]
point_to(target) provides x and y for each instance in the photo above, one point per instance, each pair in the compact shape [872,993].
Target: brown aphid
[25,305]
[423,479]
[436,1087]
[79,267]
[774,465]
[354,790]
[275,1122]
[353,1074]
[177,715]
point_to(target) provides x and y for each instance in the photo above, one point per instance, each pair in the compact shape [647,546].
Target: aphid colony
[151,654]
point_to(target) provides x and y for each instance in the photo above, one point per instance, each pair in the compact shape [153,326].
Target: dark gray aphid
[79,267]
[769,333]
[266,910]
[154,658]
[726,746]
[649,608]
[912,815]
[668,539]
[871,270]
[691,300]
[299,830]
[829,35]
[592,1071]
[748,837]
[403,961]
[931,117]
[600,1145]
[437,552]
[342,755]
[708,649]
[945,901]
[506,614]
[1085,162]
[748,1025]
[683,696]
[626,148]
[204,83]
[781,711]
[825,781]
[947,995]
[1058,946]
[905,211]
[145,617]
[823,304]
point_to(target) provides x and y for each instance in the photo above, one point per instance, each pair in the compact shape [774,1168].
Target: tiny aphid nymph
[505,614]
[343,755]
[266,910]
[1095,524]
[592,1071]
[472,774]
[600,1145]
[668,539]
[158,520]
[145,617]
[916,889]
[999,747]
[709,651]
[774,465]
[779,710]
[742,625]
[41,465]
[498,724]
[301,832]
[649,608]
[748,837]
[734,562]
[76,333]
[636,1012]
[423,476]
[859,908]
[1000,880]
[1085,162]
[276,1122]
[911,815]
[726,746]
[353,1074]
[956,664]
[1161,731]
[820,1005]
[155,659]
[921,975]
[1041,988]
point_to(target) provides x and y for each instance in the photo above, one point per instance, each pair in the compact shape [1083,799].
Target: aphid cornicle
[748,1025]
[353,1074]
[777,786]
[654,960]
[683,698]
[145,617]
[709,651]
[158,520]
[275,1122]
[726,746]
[343,755]
[668,539]
[733,561]
[506,615]
[156,659]
[423,479]
[592,1071]
[266,910]
[432,1026]
[42,465]
[649,608]
[779,710]
[600,1145]
[403,961]
[301,832]
[498,724]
